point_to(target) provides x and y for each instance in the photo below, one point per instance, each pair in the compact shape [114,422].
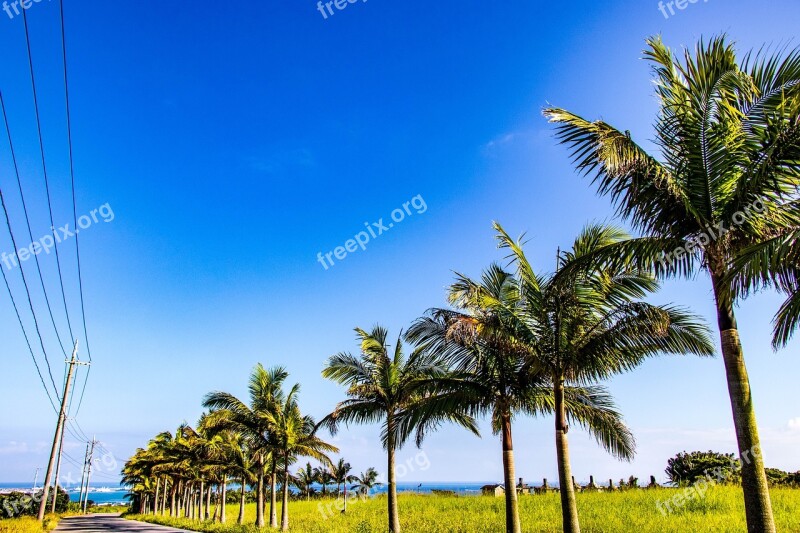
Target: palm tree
[341,475]
[324,477]
[775,262]
[227,455]
[295,435]
[161,447]
[366,481]
[254,423]
[242,467]
[586,325]
[306,477]
[728,140]
[496,376]
[137,474]
[382,385]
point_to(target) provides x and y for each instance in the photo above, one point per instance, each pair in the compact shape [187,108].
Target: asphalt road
[104,523]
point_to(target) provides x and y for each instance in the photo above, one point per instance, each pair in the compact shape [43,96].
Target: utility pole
[58,469]
[89,475]
[59,431]
[83,474]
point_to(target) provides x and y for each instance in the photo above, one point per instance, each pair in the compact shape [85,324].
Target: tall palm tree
[253,421]
[137,474]
[341,474]
[728,137]
[305,479]
[496,376]
[295,435]
[382,385]
[324,477]
[586,325]
[366,481]
[226,455]
[242,468]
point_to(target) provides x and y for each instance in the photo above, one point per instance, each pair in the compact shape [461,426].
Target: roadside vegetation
[29,524]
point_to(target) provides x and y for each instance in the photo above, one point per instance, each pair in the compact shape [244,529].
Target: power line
[72,181]
[82,432]
[83,391]
[44,167]
[27,340]
[72,432]
[30,302]
[77,434]
[28,221]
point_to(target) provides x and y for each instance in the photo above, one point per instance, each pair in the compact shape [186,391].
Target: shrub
[687,468]
[17,504]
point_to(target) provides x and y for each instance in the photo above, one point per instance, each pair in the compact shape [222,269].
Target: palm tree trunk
[187,491]
[758,507]
[208,501]
[224,500]
[158,492]
[394,516]
[260,498]
[201,493]
[569,508]
[240,519]
[172,503]
[512,510]
[285,499]
[273,503]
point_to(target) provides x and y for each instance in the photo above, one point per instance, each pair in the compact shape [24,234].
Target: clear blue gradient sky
[235,141]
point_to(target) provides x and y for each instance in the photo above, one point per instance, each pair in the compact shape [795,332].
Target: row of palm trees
[182,474]
[518,341]
[251,443]
[308,478]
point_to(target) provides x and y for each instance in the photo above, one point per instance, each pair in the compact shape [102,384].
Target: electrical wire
[24,333]
[30,302]
[83,391]
[44,167]
[72,181]
[28,221]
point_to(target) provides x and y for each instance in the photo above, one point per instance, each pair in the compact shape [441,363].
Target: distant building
[522,488]
[493,490]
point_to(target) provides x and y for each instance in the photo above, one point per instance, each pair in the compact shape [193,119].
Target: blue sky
[234,142]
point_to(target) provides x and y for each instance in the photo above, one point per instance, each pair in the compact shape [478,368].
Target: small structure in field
[522,488]
[493,490]
[545,488]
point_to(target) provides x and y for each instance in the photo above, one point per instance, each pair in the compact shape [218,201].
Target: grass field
[722,509]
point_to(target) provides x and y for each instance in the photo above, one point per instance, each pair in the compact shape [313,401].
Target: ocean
[111,494]
[99,493]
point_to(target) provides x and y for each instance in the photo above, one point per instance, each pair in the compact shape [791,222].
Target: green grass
[722,509]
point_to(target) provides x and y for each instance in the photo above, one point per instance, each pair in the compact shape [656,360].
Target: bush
[17,504]
[777,477]
[688,468]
